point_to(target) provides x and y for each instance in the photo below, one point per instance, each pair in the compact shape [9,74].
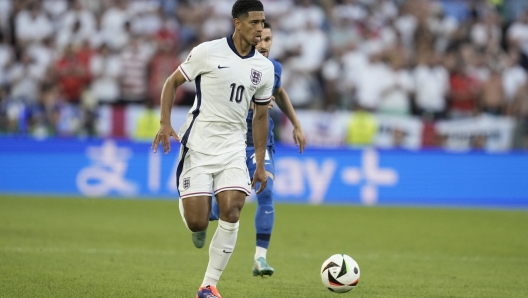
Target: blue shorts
[269,163]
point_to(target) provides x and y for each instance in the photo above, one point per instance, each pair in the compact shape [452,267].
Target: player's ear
[237,23]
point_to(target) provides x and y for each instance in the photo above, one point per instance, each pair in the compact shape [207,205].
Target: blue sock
[215,211]
[265,215]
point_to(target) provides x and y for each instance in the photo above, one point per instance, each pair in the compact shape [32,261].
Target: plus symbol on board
[371,175]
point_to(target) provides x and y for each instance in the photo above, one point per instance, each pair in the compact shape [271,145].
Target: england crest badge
[255,76]
[186,182]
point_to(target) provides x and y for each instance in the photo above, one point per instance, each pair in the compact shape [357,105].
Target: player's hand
[164,133]
[298,137]
[272,103]
[261,177]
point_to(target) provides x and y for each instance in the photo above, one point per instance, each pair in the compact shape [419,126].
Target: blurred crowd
[445,59]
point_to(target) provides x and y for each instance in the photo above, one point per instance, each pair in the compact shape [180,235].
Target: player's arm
[284,104]
[260,139]
[167,101]
[187,71]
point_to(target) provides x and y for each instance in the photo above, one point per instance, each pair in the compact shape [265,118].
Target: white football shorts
[201,174]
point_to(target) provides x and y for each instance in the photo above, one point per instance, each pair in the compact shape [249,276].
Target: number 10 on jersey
[239,94]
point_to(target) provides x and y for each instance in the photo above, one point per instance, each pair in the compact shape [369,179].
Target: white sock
[260,252]
[220,250]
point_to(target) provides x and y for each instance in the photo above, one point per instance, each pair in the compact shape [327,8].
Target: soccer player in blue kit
[265,213]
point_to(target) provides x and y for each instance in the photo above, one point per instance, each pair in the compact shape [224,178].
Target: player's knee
[197,224]
[231,214]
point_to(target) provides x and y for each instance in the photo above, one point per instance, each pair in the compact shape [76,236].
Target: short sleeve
[263,94]
[196,62]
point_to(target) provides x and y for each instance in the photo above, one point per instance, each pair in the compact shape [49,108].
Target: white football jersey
[226,83]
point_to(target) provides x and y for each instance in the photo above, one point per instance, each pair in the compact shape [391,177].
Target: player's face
[250,27]
[264,44]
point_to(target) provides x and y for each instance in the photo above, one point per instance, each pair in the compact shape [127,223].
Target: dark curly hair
[267,25]
[243,7]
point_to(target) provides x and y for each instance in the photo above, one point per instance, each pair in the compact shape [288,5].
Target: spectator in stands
[486,30]
[342,33]
[147,18]
[32,25]
[6,11]
[332,73]
[306,14]
[310,54]
[303,88]
[479,66]
[216,26]
[492,96]
[114,18]
[6,56]
[44,54]
[372,81]
[191,14]
[24,77]
[443,25]
[463,94]
[105,68]
[77,23]
[73,74]
[513,76]
[134,80]
[74,36]
[352,62]
[432,84]
[164,62]
[518,36]
[424,38]
[56,9]
[395,98]
[350,10]
[406,23]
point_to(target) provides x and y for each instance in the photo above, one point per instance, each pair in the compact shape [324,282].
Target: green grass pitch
[72,247]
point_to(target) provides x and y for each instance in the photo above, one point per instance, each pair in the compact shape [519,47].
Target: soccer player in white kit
[229,74]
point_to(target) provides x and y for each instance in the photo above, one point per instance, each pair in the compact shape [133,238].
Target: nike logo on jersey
[220,67]
[227,252]
[268,212]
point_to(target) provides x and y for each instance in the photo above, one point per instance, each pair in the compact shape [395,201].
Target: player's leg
[224,239]
[215,208]
[195,186]
[195,217]
[231,186]
[264,220]
[195,212]
[200,237]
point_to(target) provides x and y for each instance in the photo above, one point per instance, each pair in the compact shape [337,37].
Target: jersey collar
[233,48]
